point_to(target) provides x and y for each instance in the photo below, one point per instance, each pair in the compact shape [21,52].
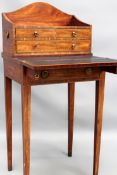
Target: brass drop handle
[74,34]
[7,34]
[73,46]
[36,75]
[35,34]
[88,71]
[44,74]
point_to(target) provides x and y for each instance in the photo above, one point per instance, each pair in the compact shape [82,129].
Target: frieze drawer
[62,75]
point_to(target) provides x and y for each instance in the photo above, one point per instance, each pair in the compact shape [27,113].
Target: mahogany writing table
[57,69]
[42,45]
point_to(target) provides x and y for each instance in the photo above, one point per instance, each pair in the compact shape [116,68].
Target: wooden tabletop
[51,62]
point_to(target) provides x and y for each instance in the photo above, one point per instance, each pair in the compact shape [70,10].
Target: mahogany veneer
[42,45]
[41,29]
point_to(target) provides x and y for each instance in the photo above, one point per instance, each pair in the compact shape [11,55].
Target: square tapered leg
[71,91]
[8,106]
[26,105]
[98,121]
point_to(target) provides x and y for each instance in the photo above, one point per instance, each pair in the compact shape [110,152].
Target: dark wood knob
[88,71]
[44,74]
[36,75]
[35,34]
[74,34]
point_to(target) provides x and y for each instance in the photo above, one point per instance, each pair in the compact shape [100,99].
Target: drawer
[50,34]
[37,47]
[74,33]
[35,33]
[62,75]
[74,46]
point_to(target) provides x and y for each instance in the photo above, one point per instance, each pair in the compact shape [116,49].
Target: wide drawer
[62,75]
[44,34]
[44,47]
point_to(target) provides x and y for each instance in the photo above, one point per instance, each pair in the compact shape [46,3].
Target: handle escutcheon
[35,46]
[36,34]
[89,71]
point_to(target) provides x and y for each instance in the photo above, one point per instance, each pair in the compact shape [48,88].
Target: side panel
[8,36]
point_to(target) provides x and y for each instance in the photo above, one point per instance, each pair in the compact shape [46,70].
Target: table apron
[61,75]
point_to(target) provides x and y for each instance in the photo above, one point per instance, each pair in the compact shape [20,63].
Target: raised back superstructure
[41,29]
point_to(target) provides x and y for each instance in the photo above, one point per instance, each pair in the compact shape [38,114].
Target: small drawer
[35,46]
[62,75]
[35,33]
[74,46]
[43,47]
[73,33]
[52,33]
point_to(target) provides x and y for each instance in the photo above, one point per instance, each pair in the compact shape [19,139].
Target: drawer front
[62,75]
[35,33]
[34,46]
[43,47]
[47,34]
[74,33]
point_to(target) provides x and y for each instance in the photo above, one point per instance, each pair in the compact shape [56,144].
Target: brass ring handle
[44,74]
[36,75]
[74,34]
[88,71]
[35,34]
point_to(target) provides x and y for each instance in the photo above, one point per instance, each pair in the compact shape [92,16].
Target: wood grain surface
[43,45]
[52,62]
[26,108]
[45,33]
[71,94]
[8,105]
[53,46]
[98,121]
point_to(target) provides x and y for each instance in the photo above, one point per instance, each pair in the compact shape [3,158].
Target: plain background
[49,105]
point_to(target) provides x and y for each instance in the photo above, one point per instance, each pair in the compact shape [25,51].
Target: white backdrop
[49,105]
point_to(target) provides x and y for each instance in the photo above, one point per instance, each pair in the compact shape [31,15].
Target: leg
[98,121]
[26,94]
[8,106]
[71,91]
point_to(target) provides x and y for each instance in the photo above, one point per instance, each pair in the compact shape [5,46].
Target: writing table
[57,69]
[42,45]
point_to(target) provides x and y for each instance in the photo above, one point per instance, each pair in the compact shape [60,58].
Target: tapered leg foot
[71,91]
[8,106]
[98,121]
[26,95]
[69,154]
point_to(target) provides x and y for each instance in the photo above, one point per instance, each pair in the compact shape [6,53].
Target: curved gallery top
[42,14]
